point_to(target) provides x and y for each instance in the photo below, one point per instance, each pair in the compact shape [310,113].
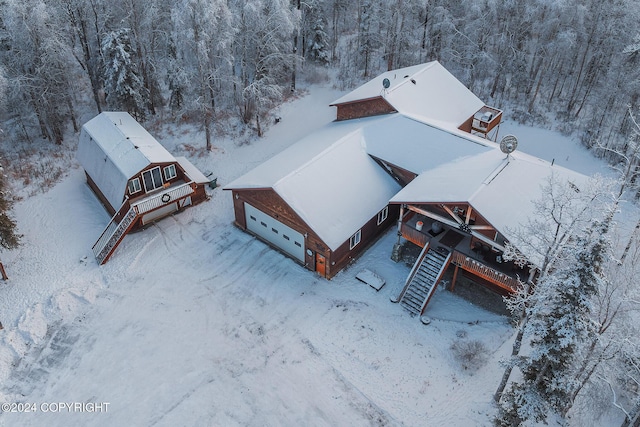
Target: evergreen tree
[124,87]
[560,327]
[319,42]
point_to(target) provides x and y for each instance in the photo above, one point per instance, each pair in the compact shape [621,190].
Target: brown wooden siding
[466,126]
[342,256]
[403,176]
[180,176]
[269,202]
[198,196]
[364,108]
[200,193]
[413,235]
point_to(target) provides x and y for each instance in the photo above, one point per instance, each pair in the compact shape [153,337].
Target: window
[383,214]
[355,239]
[169,172]
[134,186]
[274,230]
[298,244]
[152,179]
[285,237]
[252,217]
[264,224]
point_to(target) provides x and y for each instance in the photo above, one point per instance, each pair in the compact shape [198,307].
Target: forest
[572,65]
[224,65]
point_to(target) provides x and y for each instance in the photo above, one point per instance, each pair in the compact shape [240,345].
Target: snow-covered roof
[328,179]
[503,190]
[332,182]
[191,171]
[417,146]
[268,173]
[114,147]
[426,90]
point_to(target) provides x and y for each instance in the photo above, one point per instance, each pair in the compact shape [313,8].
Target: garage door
[159,213]
[275,232]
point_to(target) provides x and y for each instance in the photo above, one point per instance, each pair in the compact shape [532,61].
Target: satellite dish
[386,83]
[508,144]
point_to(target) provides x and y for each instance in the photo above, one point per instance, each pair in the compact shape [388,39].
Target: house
[321,201]
[426,91]
[137,180]
[415,147]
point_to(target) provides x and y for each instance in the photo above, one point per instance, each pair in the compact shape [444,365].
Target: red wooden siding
[269,202]
[364,108]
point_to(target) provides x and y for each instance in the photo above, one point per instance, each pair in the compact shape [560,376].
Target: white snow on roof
[373,88]
[192,172]
[339,191]
[331,180]
[114,147]
[451,181]
[503,191]
[333,185]
[427,90]
[510,198]
[268,173]
[417,146]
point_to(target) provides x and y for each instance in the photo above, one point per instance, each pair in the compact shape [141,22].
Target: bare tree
[559,217]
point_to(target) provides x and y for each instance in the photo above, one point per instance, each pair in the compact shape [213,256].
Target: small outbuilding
[137,180]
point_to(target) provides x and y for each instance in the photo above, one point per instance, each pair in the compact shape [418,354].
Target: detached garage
[321,220]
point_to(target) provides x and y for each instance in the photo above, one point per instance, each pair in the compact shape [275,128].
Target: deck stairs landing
[113,235]
[423,279]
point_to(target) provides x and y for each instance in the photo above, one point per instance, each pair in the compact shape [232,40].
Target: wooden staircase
[115,232]
[423,279]
[113,235]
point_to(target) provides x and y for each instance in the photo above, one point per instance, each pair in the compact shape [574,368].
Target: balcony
[162,197]
[485,120]
[480,260]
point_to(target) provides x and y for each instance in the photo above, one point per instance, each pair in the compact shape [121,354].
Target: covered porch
[478,257]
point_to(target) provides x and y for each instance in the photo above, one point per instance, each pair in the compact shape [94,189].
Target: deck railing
[162,198]
[494,276]
[414,236]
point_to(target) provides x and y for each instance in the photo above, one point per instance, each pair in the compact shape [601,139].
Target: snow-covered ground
[193,322]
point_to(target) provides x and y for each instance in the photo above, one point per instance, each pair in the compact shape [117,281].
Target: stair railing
[412,274]
[434,285]
[107,232]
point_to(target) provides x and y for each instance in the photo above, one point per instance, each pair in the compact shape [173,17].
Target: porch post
[396,254]
[400,223]
[455,277]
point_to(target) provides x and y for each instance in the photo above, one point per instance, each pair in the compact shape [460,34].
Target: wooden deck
[482,264]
